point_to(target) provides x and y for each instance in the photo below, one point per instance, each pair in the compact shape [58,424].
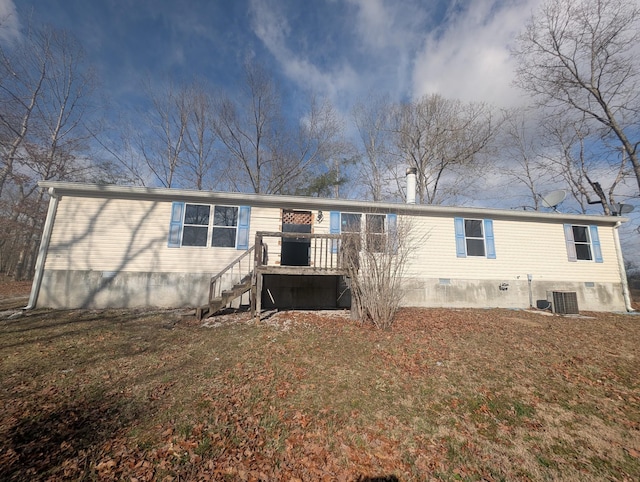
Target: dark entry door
[295,251]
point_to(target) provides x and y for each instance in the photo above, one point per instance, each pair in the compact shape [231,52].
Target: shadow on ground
[55,439]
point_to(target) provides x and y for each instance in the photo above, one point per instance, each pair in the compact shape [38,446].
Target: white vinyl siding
[131,235]
[113,235]
[523,247]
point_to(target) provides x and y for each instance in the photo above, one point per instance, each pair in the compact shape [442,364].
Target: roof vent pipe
[411,185]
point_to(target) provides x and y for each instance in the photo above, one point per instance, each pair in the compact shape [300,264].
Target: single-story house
[114,246]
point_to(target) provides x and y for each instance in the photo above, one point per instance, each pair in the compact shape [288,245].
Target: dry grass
[444,395]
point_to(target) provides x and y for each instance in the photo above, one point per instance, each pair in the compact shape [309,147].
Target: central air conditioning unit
[563,302]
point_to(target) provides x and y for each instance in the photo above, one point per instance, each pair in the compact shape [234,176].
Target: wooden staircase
[241,270]
[247,271]
[227,296]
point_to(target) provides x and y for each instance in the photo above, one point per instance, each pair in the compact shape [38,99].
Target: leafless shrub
[376,263]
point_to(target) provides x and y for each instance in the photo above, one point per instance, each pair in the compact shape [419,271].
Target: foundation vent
[563,302]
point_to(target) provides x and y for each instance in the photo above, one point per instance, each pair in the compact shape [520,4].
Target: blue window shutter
[595,243]
[392,231]
[175,227]
[334,228]
[571,244]
[461,248]
[488,239]
[244,215]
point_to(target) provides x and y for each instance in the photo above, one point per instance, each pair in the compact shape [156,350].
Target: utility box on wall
[563,302]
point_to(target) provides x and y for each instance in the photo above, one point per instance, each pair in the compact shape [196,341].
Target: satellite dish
[552,199]
[625,208]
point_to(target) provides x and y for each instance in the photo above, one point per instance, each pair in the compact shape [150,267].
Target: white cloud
[465,57]
[468,56]
[374,22]
[9,21]
[272,28]
[388,23]
[390,32]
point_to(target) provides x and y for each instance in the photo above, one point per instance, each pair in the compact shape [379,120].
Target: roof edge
[302,202]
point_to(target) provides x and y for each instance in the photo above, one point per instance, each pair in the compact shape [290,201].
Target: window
[196,224]
[375,233]
[583,243]
[474,237]
[350,223]
[376,229]
[225,221]
[195,228]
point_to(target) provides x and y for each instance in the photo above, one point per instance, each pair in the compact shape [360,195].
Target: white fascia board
[112,191]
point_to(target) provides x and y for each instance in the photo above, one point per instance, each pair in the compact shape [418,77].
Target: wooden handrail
[329,254]
[213,292]
[324,248]
[278,234]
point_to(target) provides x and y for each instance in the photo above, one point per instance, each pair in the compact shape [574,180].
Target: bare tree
[162,139]
[442,137]
[582,55]
[248,129]
[372,119]
[44,97]
[581,168]
[119,145]
[313,149]
[266,155]
[199,139]
[174,143]
[525,161]
[23,75]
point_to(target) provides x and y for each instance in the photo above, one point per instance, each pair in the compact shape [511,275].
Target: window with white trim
[225,222]
[583,243]
[208,225]
[376,240]
[195,228]
[374,229]
[350,223]
[474,237]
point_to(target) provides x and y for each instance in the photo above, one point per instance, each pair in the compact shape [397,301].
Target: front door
[295,251]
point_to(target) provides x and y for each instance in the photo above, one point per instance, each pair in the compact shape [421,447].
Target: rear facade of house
[110,246]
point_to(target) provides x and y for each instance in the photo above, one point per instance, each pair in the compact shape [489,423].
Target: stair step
[202,312]
[237,290]
[216,305]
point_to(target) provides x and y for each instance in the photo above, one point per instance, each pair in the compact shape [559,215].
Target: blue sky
[341,49]
[344,50]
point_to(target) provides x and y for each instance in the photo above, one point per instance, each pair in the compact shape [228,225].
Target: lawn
[443,395]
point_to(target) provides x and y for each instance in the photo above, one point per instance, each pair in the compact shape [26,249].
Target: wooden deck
[324,259]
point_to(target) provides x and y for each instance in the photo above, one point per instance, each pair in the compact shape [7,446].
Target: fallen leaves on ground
[443,395]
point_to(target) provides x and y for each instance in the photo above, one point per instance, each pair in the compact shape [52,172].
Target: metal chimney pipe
[411,185]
